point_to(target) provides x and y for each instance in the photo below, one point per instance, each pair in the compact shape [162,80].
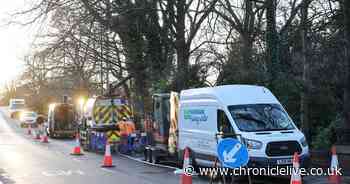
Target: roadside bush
[326,136]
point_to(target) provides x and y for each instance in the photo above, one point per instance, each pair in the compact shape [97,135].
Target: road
[27,161]
[24,160]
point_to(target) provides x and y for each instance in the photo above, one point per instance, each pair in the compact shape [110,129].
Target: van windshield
[260,117]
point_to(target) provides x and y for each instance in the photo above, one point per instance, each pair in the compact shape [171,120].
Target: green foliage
[325,135]
[161,86]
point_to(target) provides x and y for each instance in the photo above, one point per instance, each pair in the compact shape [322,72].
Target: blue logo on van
[196,115]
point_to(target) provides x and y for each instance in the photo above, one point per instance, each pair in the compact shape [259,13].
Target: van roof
[232,94]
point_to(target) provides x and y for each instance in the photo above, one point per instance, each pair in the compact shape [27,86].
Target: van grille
[285,148]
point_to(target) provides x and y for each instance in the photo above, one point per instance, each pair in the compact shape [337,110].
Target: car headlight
[252,144]
[303,142]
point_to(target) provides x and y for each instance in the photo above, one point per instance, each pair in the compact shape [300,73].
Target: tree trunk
[346,8]
[246,53]
[304,94]
[181,47]
[271,41]
[246,36]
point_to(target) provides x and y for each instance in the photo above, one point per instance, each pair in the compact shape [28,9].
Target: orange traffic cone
[334,178]
[44,138]
[296,178]
[76,149]
[107,160]
[186,176]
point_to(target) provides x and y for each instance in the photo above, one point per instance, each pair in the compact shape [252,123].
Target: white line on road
[52,173]
[138,160]
[108,170]
[77,160]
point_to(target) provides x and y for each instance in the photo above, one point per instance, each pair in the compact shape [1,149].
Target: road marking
[108,170]
[53,173]
[77,160]
[145,162]
[11,177]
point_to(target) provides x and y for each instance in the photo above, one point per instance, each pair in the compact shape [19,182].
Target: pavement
[24,160]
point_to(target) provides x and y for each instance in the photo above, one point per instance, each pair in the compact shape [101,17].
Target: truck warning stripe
[100,113]
[111,114]
[124,111]
[108,115]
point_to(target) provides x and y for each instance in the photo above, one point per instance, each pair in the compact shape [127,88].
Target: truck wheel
[154,157]
[145,154]
[149,155]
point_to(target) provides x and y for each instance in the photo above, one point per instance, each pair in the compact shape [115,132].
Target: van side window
[223,123]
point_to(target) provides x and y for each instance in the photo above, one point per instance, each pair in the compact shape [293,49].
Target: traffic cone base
[107,159]
[45,139]
[76,149]
[77,154]
[107,162]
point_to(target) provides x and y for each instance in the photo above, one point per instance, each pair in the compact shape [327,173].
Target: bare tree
[304,103]
[346,10]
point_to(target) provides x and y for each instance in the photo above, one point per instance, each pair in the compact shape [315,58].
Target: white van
[252,113]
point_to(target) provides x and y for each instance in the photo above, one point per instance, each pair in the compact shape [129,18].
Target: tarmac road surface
[27,161]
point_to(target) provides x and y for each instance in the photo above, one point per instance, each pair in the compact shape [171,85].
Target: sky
[15,42]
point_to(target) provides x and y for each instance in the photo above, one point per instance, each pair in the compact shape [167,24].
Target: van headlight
[252,144]
[303,142]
